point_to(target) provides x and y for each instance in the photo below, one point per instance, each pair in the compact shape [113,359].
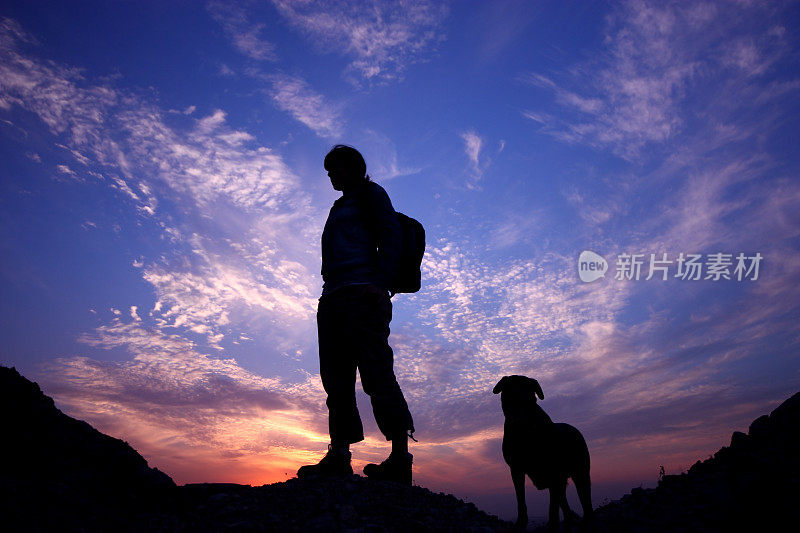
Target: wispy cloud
[64,170]
[119,130]
[239,250]
[383,161]
[522,307]
[213,172]
[473,144]
[382,36]
[563,96]
[186,409]
[516,228]
[244,34]
[657,54]
[296,97]
[219,293]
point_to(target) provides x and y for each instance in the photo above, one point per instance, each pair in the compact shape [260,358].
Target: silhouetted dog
[546,452]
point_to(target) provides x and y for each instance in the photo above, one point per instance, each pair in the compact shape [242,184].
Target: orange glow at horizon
[246,451]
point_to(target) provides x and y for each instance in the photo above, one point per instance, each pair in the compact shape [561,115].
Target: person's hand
[374,289]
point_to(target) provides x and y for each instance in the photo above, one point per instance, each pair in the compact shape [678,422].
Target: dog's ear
[537,389]
[499,387]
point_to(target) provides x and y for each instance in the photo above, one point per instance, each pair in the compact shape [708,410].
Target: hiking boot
[335,463]
[397,468]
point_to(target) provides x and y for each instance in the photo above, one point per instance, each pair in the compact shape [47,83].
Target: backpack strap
[387,258]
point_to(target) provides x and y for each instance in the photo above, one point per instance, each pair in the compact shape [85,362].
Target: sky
[162,198]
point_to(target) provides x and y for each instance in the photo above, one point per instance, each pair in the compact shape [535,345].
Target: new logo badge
[591,266]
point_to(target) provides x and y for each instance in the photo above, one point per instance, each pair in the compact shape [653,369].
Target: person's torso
[348,242]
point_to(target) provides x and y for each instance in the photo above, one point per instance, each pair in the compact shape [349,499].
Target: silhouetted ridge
[59,473]
[354,504]
[751,485]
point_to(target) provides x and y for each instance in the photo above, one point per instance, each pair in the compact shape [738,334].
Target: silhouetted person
[360,245]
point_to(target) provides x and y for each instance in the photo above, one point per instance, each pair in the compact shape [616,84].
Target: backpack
[408,274]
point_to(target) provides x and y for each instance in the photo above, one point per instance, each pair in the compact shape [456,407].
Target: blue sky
[162,198]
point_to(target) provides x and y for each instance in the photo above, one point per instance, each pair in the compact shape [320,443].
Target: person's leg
[399,443]
[337,368]
[338,373]
[375,364]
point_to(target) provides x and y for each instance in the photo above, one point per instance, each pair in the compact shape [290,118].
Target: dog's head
[517,392]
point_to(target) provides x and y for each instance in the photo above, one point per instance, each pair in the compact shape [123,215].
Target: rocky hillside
[751,485]
[60,474]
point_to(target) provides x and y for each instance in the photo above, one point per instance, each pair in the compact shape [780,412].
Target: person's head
[346,167]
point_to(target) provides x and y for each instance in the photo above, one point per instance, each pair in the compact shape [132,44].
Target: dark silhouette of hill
[61,474]
[752,485]
[354,504]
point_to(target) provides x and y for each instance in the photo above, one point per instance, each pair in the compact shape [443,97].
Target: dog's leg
[518,476]
[569,515]
[557,494]
[583,484]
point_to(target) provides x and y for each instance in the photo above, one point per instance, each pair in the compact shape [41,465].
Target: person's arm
[390,237]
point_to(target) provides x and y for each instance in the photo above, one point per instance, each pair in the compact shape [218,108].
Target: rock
[57,472]
[739,440]
[759,427]
[751,485]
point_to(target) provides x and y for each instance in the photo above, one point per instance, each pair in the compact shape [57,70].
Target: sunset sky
[162,198]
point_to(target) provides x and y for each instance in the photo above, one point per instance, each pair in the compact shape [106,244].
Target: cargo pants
[353,329]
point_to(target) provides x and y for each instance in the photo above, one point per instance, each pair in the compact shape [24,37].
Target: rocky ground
[60,474]
[356,504]
[751,485]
